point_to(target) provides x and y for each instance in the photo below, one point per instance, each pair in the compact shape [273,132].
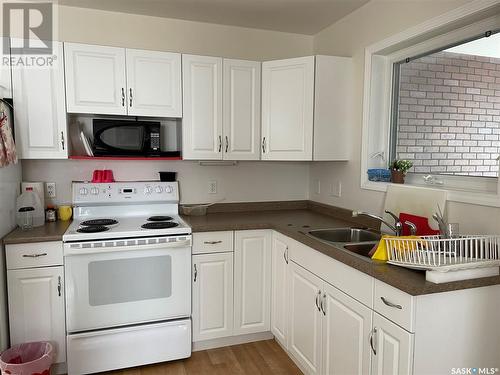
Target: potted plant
[398,170]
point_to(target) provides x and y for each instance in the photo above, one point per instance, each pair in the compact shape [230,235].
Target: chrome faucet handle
[413,227]
[398,225]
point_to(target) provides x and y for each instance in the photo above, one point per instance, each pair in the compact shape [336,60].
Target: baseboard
[231,340]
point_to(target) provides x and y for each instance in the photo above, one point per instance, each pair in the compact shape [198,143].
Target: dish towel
[381,252]
[7,146]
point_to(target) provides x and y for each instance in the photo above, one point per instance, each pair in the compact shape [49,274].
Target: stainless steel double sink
[355,241]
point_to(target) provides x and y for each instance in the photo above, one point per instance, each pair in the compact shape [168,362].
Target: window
[447,110]
[432,95]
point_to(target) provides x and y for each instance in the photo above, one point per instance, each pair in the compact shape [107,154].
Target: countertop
[295,223]
[47,232]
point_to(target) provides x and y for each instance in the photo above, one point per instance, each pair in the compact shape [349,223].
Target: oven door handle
[68,250]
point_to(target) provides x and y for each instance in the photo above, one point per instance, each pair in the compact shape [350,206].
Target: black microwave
[127,138]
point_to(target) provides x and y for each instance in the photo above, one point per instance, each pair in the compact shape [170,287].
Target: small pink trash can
[32,358]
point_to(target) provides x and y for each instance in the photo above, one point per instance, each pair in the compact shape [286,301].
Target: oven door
[116,286]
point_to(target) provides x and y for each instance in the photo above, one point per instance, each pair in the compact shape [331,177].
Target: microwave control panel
[155,141]
[116,192]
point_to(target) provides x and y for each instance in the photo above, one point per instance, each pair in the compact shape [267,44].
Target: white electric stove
[127,259]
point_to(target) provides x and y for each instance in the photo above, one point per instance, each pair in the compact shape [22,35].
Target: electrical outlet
[51,189]
[336,189]
[212,187]
[318,187]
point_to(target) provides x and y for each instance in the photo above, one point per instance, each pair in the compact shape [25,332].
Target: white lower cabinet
[226,302]
[36,307]
[346,326]
[212,296]
[279,288]
[392,348]
[252,281]
[305,318]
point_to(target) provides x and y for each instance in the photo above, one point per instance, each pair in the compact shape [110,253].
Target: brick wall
[449,114]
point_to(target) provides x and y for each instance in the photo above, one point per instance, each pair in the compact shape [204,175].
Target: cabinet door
[39,110]
[212,296]
[202,106]
[154,83]
[287,109]
[304,332]
[5,78]
[95,79]
[252,281]
[241,110]
[346,328]
[36,307]
[279,288]
[393,353]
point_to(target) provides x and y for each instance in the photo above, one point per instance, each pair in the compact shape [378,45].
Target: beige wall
[373,22]
[163,34]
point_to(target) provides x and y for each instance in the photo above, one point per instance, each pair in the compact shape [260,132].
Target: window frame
[461,24]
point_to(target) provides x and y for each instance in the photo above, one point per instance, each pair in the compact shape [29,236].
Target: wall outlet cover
[212,187]
[50,187]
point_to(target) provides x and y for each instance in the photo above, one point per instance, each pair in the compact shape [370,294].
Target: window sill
[482,199]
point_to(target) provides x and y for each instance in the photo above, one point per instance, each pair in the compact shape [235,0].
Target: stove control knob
[148,190]
[159,189]
[169,189]
[94,191]
[83,191]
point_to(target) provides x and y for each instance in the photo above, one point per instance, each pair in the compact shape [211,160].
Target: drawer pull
[212,242]
[390,304]
[34,255]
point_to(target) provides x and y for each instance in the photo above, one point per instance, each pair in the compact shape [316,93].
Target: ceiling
[295,16]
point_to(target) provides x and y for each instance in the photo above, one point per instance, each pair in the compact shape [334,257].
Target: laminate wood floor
[262,357]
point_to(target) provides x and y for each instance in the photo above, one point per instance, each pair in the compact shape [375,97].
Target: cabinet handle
[285,255]
[34,255]
[130,97]
[59,286]
[390,304]
[264,145]
[317,302]
[220,143]
[322,301]
[195,273]
[212,242]
[62,140]
[123,97]
[227,144]
[373,332]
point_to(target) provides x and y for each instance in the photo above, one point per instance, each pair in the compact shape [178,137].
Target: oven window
[129,280]
[124,137]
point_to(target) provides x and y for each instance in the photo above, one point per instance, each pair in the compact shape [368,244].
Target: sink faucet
[397,227]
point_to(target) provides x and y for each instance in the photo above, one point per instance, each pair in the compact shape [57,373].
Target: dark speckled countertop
[47,232]
[295,223]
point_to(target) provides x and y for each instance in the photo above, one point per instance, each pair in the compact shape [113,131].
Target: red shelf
[76,157]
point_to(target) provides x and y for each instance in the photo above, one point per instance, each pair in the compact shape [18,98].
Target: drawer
[31,255]
[395,305]
[212,242]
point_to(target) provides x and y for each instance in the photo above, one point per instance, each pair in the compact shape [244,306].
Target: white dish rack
[447,259]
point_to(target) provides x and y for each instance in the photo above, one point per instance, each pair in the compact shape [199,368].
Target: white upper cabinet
[95,79]
[242,81]
[5,79]
[305,96]
[39,110]
[287,109]
[154,83]
[252,281]
[202,106]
